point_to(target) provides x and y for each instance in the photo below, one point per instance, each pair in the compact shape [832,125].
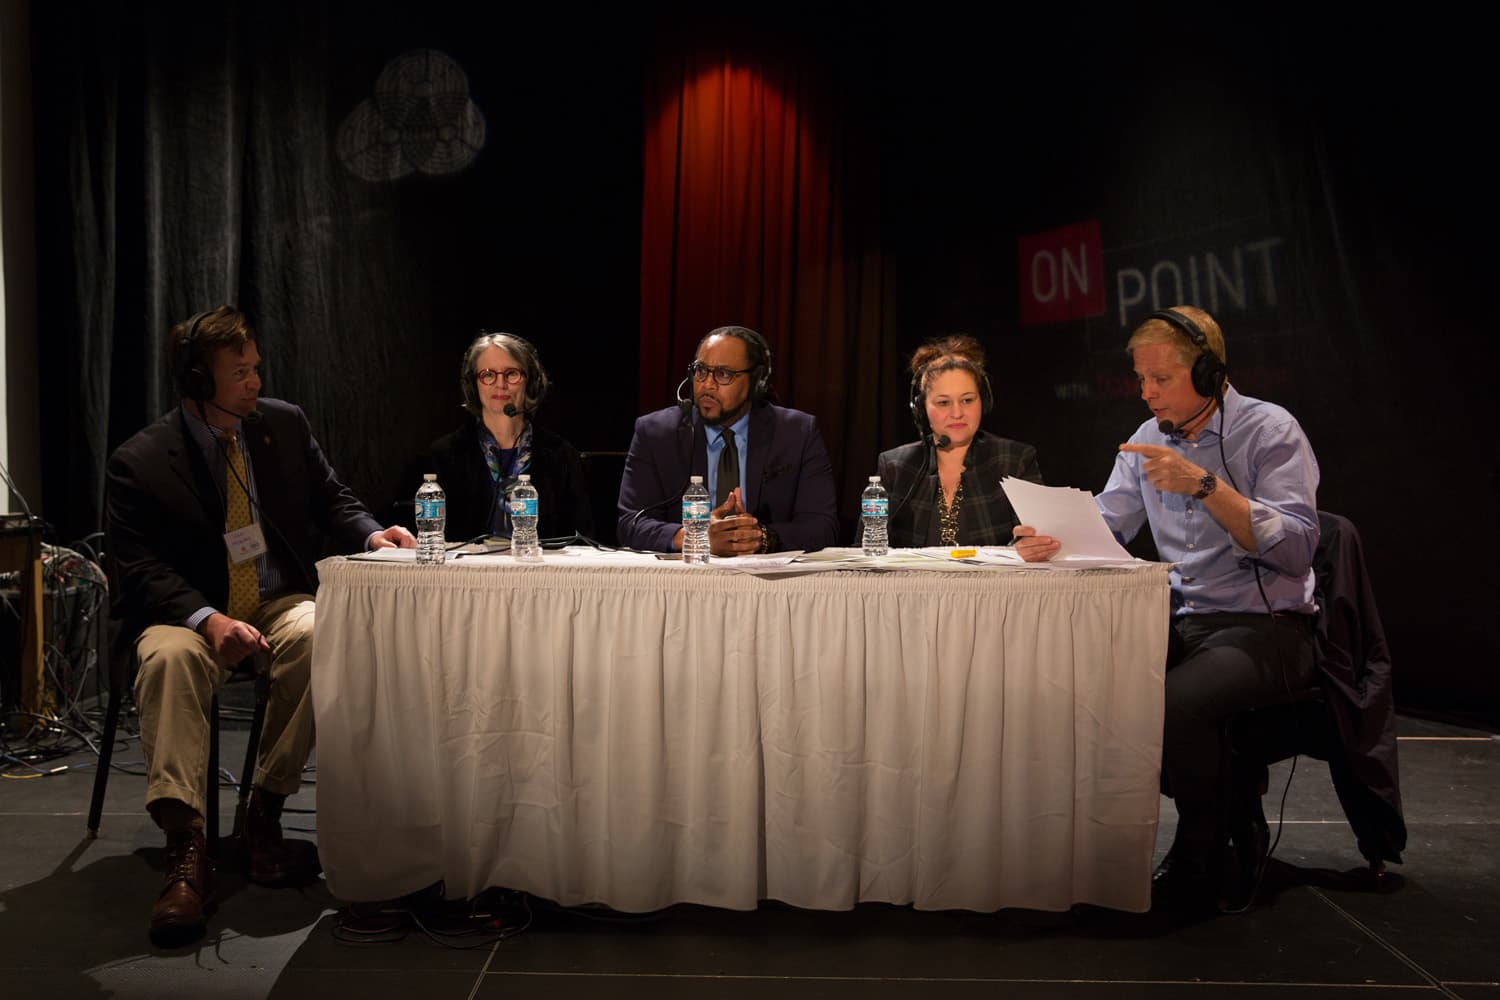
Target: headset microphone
[510,409]
[686,402]
[250,417]
[1169,428]
[942,440]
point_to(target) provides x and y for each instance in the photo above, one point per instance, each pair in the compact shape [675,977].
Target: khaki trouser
[174,689]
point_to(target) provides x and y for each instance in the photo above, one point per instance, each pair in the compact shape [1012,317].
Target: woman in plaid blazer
[945,486]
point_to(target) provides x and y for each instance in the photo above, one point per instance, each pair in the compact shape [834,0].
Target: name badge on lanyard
[245,543]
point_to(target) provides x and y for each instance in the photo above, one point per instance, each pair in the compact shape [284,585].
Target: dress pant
[174,689]
[1219,665]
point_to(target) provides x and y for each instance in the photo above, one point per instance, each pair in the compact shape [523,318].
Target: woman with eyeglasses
[503,382]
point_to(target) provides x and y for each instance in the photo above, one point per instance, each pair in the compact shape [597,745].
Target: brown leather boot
[177,918]
[274,860]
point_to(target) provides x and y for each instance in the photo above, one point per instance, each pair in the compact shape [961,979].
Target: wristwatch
[768,539]
[1206,485]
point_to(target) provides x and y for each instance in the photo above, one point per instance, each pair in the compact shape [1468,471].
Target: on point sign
[1061,273]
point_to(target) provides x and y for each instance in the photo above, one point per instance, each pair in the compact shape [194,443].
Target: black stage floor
[73,916]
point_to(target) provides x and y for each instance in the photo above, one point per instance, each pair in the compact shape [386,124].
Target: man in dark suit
[765,465]
[216,514]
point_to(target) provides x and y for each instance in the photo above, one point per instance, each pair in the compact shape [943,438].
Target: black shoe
[274,860]
[1252,843]
[1186,882]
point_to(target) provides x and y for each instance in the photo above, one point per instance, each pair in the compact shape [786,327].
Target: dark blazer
[909,474]
[556,472]
[165,515]
[1354,667]
[788,476]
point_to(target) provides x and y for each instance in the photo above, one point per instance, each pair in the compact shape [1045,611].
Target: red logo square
[1061,274]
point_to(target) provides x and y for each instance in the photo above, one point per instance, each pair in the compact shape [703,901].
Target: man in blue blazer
[765,465]
[216,514]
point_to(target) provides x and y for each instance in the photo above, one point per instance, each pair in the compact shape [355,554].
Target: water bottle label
[694,510]
[430,510]
[875,506]
[523,507]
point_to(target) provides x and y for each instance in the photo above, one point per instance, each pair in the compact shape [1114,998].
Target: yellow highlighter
[962,553]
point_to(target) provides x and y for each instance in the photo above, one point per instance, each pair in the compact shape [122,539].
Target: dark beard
[725,417]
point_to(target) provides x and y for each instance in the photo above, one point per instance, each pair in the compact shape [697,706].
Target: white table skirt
[638,734]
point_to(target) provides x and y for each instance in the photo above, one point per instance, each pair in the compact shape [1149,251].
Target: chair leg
[211,790]
[106,753]
[252,745]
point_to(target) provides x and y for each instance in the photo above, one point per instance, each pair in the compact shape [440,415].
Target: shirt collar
[202,432]
[487,437]
[1210,430]
[716,432]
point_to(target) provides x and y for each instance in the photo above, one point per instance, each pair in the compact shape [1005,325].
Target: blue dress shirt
[741,428]
[1273,464]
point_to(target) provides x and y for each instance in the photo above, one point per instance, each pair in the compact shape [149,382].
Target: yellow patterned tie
[244,583]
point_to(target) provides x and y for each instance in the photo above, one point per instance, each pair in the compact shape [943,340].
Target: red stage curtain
[759,209]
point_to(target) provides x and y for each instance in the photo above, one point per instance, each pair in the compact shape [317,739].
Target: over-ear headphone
[760,358]
[1209,373]
[537,382]
[191,374]
[917,400]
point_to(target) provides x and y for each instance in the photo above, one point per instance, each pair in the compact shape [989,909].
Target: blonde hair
[1161,331]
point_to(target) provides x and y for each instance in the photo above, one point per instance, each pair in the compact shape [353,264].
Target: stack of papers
[1068,515]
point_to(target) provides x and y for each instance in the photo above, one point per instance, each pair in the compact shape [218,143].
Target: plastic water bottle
[524,544]
[875,509]
[695,508]
[432,517]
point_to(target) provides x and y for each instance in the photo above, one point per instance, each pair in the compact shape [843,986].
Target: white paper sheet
[1068,515]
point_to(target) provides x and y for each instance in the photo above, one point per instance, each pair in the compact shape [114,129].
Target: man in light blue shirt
[1228,485]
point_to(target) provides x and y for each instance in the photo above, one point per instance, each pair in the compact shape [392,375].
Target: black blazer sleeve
[460,469]
[306,492]
[167,560]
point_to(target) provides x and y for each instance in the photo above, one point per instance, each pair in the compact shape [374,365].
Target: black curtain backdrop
[1039,180]
[193,155]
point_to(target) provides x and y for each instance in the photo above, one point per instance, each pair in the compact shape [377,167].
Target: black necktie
[729,467]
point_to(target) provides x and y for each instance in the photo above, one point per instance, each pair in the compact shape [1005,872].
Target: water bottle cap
[525,477]
[696,479]
[874,479]
[429,477]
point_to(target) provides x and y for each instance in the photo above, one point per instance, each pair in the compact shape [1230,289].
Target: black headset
[191,375]
[760,358]
[537,382]
[917,401]
[1209,373]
